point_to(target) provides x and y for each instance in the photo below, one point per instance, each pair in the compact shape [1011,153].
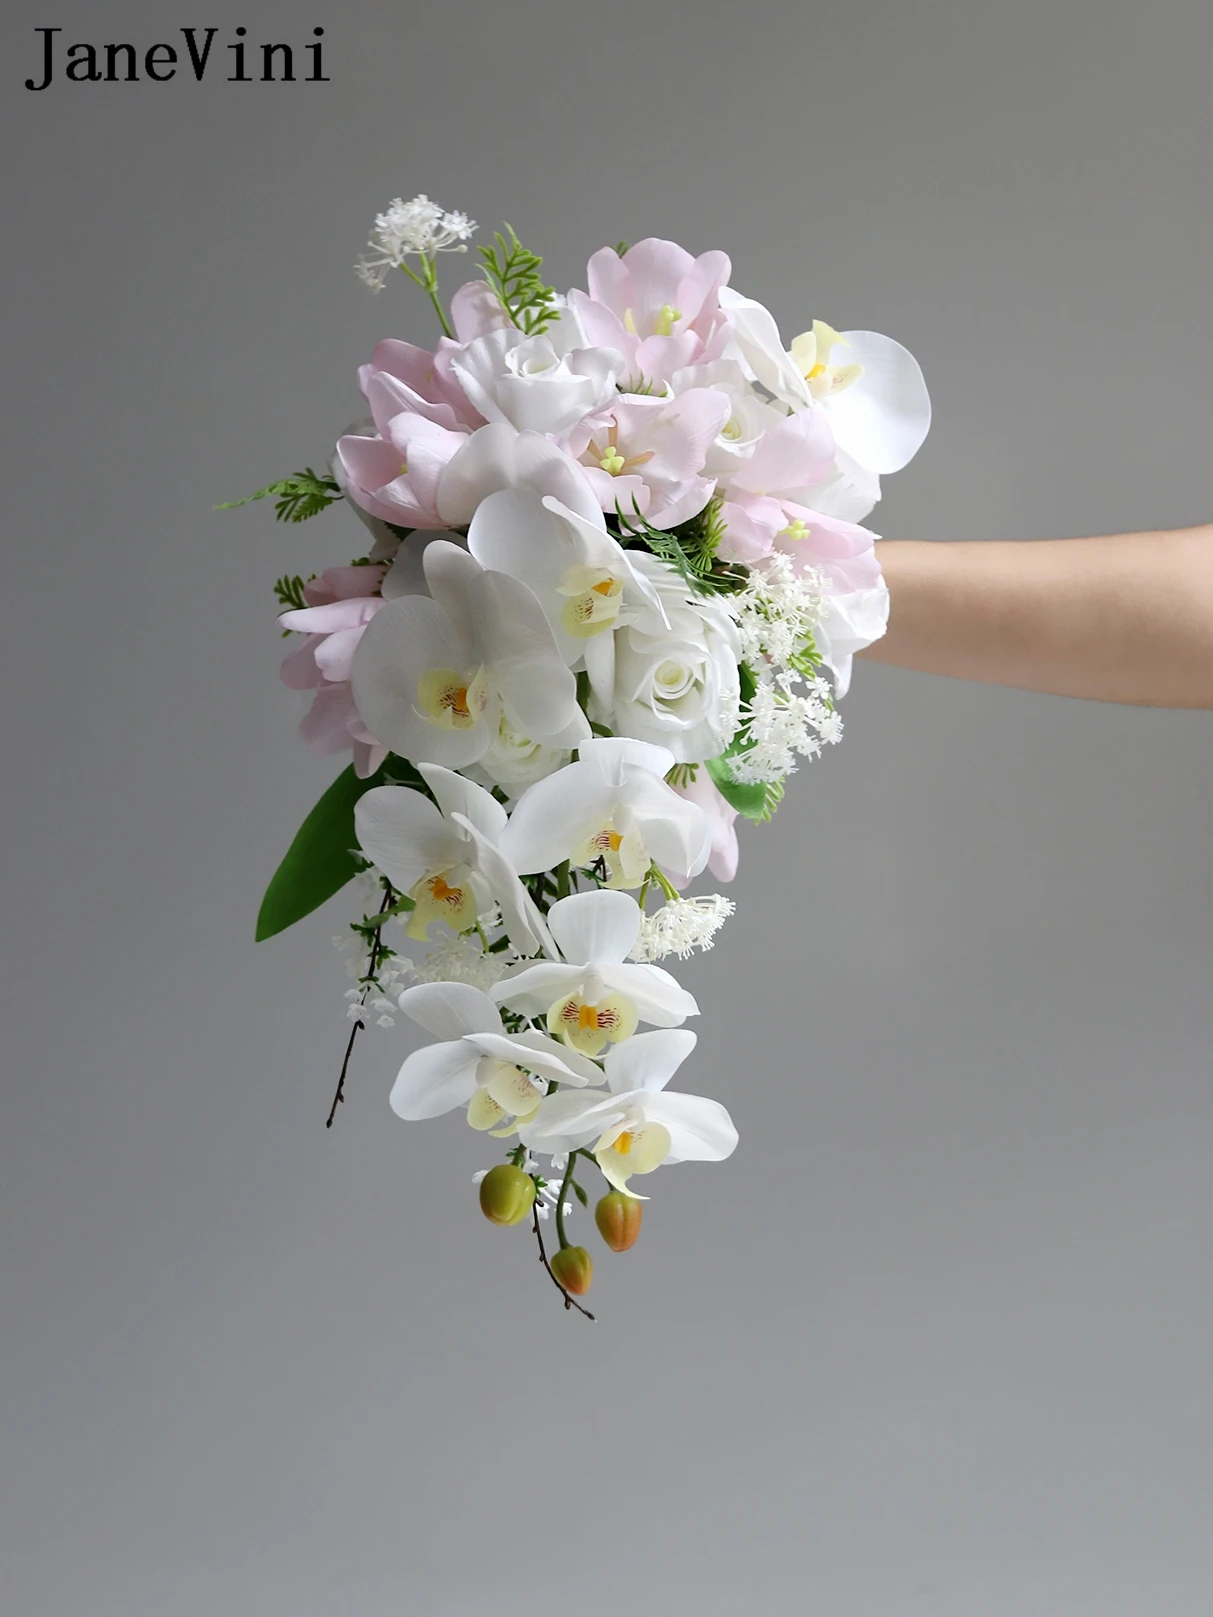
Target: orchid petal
[435,1080]
[648,1060]
[451,1010]
[401,832]
[595,927]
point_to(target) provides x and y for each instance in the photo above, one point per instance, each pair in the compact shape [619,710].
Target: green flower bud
[618,1219]
[506,1194]
[574,1268]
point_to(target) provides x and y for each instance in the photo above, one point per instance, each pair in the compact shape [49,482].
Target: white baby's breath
[461,959]
[681,926]
[420,228]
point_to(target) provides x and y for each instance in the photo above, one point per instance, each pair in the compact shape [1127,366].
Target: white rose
[676,686]
[537,384]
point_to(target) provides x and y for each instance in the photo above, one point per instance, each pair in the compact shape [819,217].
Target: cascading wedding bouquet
[614,584]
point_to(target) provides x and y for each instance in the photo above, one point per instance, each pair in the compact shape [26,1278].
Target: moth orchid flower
[445,857]
[500,1077]
[639,1125]
[611,809]
[870,387]
[593,995]
[432,677]
[579,573]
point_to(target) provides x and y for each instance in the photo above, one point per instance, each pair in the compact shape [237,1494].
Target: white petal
[402,832]
[851,622]
[757,336]
[883,417]
[647,1060]
[404,640]
[449,571]
[537,690]
[520,916]
[599,926]
[539,1054]
[585,1114]
[449,1010]
[455,794]
[700,1129]
[535,989]
[655,994]
[435,1080]
[611,752]
[554,815]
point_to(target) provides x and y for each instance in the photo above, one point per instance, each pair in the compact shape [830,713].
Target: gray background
[937,1339]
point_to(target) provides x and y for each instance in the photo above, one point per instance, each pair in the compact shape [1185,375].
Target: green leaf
[302,495]
[580,1194]
[320,860]
[748,800]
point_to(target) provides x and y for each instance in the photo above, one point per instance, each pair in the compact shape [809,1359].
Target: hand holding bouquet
[614,580]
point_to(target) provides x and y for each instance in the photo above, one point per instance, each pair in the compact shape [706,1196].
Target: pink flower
[657,305]
[768,506]
[341,602]
[395,477]
[401,378]
[648,454]
[722,861]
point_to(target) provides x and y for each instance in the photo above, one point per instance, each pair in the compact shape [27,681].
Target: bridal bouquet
[611,587]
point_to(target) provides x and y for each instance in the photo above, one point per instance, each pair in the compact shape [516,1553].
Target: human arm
[1122,618]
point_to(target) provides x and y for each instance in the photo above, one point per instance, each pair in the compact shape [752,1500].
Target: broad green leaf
[320,860]
[748,800]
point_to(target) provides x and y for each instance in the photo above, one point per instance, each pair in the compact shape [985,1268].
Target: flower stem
[663,882]
[429,285]
[564,1188]
[562,880]
[569,1302]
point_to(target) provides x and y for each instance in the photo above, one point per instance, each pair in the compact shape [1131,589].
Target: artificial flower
[638,1125]
[611,810]
[593,995]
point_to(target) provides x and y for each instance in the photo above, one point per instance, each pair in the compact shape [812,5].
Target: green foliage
[302,495]
[289,591]
[512,270]
[323,855]
[690,548]
[682,774]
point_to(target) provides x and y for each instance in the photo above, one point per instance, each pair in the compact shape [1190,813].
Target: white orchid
[500,1077]
[580,575]
[612,809]
[434,678]
[593,995]
[869,386]
[445,857]
[639,1125]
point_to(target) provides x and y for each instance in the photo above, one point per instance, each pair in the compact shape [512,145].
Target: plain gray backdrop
[937,1339]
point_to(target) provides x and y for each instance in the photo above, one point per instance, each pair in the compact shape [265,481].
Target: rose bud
[574,1269]
[618,1219]
[506,1194]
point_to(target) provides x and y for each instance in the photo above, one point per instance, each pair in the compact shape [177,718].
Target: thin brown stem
[569,1302]
[372,967]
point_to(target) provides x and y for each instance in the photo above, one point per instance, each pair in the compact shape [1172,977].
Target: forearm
[1128,618]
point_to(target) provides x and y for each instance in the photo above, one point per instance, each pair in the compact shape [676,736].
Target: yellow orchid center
[811,353]
[444,895]
[615,851]
[594,596]
[451,700]
[589,1024]
[637,1147]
